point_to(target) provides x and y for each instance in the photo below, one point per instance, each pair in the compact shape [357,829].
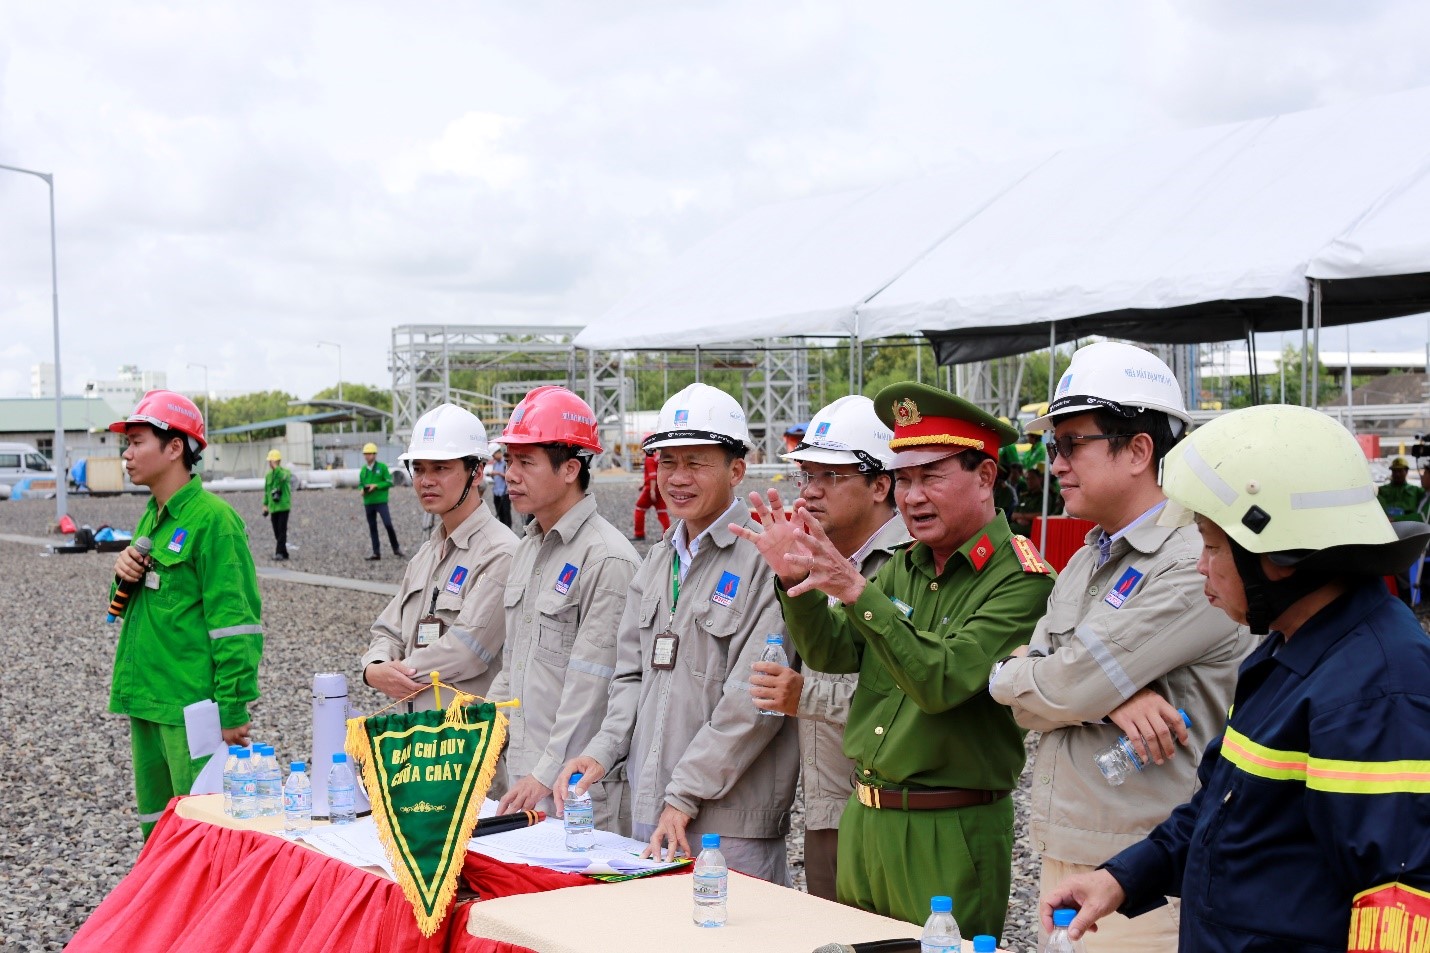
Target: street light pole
[207,422]
[340,368]
[61,463]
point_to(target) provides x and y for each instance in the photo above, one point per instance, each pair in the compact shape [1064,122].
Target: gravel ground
[70,833]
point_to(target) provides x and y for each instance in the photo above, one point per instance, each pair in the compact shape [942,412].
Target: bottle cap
[340,757]
[710,841]
[1186,718]
[244,753]
[574,778]
[773,639]
[297,766]
[983,943]
[265,749]
[941,904]
[1063,916]
[235,749]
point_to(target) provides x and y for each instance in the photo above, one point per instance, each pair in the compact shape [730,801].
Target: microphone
[507,822]
[873,946]
[125,589]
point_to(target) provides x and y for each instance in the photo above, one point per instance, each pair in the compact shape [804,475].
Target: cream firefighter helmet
[700,415]
[1291,484]
[1120,378]
[447,432]
[847,431]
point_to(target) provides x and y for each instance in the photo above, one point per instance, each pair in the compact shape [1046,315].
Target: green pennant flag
[427,773]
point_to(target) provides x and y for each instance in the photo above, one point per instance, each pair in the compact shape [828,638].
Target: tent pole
[1305,323]
[1316,342]
[697,363]
[1048,477]
[1251,360]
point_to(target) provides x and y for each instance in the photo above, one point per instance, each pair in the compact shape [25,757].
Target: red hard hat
[552,414]
[167,411]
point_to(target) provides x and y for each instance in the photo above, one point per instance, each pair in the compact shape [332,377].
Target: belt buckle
[868,795]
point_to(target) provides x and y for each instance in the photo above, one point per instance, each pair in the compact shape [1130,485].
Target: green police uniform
[921,719]
[278,490]
[379,478]
[192,631]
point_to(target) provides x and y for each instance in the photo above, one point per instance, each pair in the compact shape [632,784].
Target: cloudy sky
[236,182]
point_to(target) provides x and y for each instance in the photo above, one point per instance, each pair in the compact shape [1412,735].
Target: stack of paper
[544,845]
[356,843]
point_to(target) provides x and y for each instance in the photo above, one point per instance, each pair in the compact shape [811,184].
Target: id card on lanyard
[430,627]
[667,643]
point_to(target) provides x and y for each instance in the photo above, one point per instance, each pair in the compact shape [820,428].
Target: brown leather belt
[943,799]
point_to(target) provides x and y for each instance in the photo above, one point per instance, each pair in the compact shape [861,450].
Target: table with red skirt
[204,882]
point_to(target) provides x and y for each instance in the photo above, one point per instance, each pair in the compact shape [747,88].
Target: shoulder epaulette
[1028,556]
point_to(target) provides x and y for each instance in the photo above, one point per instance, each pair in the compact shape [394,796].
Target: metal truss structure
[773,386]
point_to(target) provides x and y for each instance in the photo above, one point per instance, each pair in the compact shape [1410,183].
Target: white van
[20,460]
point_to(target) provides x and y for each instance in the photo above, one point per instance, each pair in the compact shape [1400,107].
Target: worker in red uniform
[650,497]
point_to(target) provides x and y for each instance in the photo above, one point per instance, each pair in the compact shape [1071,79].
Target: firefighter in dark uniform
[1311,830]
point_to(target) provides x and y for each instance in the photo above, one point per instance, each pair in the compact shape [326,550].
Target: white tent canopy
[1197,235]
[798,268]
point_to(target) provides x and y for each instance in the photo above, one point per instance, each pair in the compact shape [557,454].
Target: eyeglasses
[1063,446]
[824,478]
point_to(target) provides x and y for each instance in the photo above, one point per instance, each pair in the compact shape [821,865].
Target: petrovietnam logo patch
[454,581]
[429,434]
[1065,384]
[1124,588]
[726,590]
[822,429]
[565,578]
[682,417]
[176,542]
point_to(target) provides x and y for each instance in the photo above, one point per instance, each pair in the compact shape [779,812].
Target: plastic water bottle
[270,783]
[983,943]
[245,786]
[1058,940]
[774,652]
[297,800]
[1119,761]
[712,884]
[940,929]
[578,817]
[342,787]
[230,764]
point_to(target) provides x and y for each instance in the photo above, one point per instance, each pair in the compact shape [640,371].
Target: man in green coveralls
[376,480]
[278,501]
[935,757]
[192,628]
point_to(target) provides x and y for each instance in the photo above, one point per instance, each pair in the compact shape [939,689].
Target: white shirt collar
[685,551]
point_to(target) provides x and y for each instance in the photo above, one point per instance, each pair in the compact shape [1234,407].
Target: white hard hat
[447,432]
[847,431]
[1120,378]
[700,415]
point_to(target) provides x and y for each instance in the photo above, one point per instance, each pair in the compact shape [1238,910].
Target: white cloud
[235,183]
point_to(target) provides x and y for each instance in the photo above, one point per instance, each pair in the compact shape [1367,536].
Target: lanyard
[674,587]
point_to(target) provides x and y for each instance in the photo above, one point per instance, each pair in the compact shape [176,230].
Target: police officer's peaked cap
[930,423]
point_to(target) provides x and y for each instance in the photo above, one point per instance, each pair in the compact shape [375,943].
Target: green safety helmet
[1291,484]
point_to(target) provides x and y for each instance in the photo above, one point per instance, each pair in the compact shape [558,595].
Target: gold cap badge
[906,412]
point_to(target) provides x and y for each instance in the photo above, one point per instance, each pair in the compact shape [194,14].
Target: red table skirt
[199,887]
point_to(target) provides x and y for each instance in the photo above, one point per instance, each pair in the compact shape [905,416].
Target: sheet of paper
[356,843]
[205,736]
[201,723]
[544,845]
